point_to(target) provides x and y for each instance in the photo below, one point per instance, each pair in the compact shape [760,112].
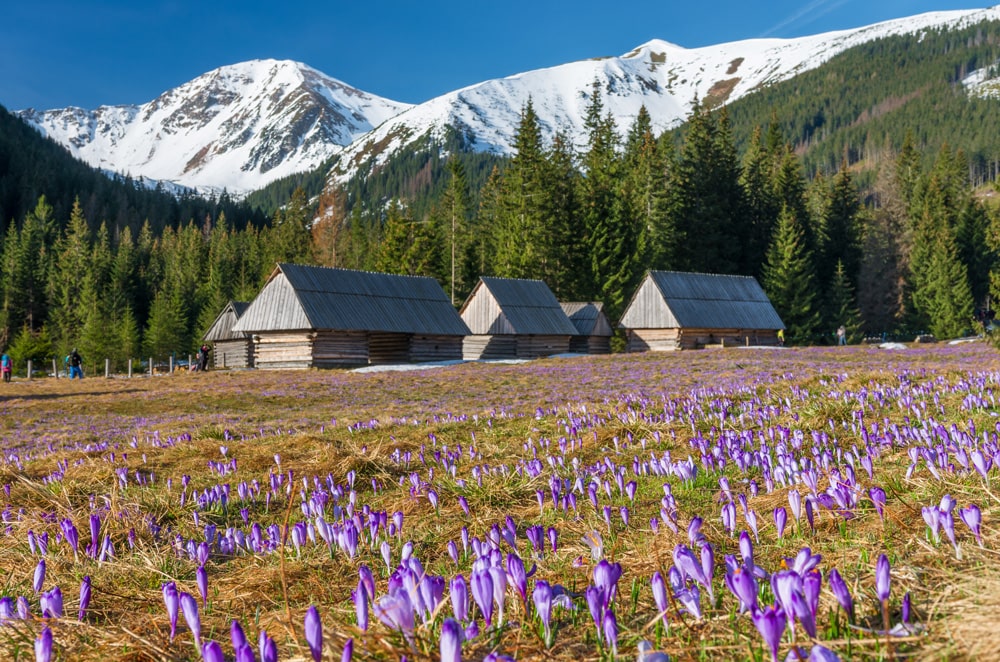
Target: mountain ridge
[238,128]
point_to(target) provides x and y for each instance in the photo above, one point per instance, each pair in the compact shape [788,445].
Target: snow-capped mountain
[237,127]
[243,126]
[664,77]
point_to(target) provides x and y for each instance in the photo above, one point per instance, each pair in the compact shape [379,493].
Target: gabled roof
[674,299]
[298,297]
[588,317]
[515,306]
[222,327]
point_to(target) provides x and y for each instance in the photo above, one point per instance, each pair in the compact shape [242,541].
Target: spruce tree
[67,280]
[842,304]
[789,280]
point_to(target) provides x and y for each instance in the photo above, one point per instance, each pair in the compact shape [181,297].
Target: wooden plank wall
[533,347]
[483,315]
[590,344]
[425,349]
[284,350]
[340,349]
[484,347]
[659,340]
[388,348]
[232,353]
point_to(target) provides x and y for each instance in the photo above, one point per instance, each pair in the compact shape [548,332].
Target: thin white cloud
[805,15]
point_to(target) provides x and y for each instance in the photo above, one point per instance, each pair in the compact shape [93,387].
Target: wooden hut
[513,318]
[317,317]
[675,310]
[592,324]
[230,349]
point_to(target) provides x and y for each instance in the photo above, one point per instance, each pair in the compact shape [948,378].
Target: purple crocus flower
[189,607]
[973,518]
[244,653]
[268,649]
[39,579]
[451,641]
[201,578]
[542,597]
[212,652]
[43,646]
[610,627]
[606,576]
[72,536]
[518,576]
[171,598]
[660,595]
[770,623]
[361,605]
[368,579]
[314,633]
[396,612]
[906,608]
[841,592]
[85,591]
[459,598]
[51,603]
[690,598]
[877,496]
[348,651]
[236,635]
[743,585]
[23,608]
[780,520]
[882,578]
[595,603]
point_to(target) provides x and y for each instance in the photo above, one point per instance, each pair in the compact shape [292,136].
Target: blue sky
[86,53]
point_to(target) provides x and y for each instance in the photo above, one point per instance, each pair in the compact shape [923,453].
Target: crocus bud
[85,591]
[43,646]
[451,641]
[314,633]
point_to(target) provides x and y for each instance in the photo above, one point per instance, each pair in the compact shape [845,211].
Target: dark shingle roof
[348,300]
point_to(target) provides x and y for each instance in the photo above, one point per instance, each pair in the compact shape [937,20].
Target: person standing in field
[75,364]
[6,366]
[841,335]
[203,358]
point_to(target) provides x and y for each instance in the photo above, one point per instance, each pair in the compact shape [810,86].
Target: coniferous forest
[882,232]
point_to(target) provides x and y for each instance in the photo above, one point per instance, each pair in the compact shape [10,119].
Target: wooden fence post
[55,369]
[130,367]
[170,369]
[107,368]
[29,369]
[150,366]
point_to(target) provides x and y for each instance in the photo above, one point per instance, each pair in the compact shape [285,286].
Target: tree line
[914,252]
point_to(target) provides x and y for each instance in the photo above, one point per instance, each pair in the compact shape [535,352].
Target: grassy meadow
[556,489]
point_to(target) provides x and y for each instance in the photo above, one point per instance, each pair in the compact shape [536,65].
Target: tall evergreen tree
[565,266]
[408,246]
[707,202]
[789,280]
[842,304]
[612,234]
[762,205]
[67,279]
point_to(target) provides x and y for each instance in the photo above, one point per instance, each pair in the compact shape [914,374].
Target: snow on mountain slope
[664,77]
[243,126]
[237,127]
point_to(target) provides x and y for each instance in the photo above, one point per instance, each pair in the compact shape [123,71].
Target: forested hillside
[871,97]
[32,166]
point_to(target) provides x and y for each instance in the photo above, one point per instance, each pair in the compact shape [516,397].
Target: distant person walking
[203,358]
[75,364]
[6,367]
[781,337]
[841,335]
